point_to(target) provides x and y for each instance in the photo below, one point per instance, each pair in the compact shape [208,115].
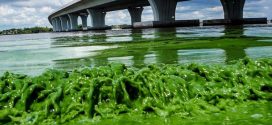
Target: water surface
[33,53]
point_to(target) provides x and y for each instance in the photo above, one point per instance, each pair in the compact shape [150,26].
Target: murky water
[32,54]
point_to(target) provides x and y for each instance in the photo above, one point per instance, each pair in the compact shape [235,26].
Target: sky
[30,13]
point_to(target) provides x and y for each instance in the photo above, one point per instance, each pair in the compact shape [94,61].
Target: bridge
[66,18]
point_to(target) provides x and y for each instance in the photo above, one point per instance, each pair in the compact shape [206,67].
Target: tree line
[26,30]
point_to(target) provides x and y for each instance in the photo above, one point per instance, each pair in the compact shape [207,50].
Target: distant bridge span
[66,18]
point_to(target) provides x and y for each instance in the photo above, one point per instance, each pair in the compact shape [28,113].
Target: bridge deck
[80,6]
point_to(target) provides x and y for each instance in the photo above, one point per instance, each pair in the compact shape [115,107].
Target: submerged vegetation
[240,93]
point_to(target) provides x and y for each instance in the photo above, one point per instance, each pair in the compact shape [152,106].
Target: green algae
[240,93]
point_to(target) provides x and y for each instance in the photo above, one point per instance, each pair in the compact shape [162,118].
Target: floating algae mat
[240,93]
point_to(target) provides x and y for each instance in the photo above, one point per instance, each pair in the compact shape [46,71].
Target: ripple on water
[266,40]
[35,61]
[259,52]
[127,60]
[119,39]
[259,31]
[209,56]
[150,58]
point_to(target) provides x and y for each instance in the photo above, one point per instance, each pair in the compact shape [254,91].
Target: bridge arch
[89,21]
[199,9]
[147,14]
[253,8]
[79,24]
[118,17]
[83,20]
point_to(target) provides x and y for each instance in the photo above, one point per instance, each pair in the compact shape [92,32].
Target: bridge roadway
[66,19]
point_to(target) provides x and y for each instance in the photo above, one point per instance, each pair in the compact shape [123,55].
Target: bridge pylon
[73,21]
[164,10]
[233,9]
[97,17]
[135,14]
[64,22]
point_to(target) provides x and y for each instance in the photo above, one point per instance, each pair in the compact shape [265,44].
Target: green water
[172,46]
[32,54]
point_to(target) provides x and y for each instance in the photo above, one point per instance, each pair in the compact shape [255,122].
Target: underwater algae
[239,93]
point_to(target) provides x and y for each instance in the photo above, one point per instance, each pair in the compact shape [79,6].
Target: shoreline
[177,23]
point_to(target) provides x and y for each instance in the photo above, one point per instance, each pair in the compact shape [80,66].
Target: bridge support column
[84,22]
[69,24]
[54,25]
[73,21]
[135,14]
[64,23]
[164,10]
[233,9]
[58,23]
[97,17]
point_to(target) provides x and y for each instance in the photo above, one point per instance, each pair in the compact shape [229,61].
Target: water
[33,53]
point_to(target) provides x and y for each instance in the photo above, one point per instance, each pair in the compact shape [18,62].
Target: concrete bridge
[66,19]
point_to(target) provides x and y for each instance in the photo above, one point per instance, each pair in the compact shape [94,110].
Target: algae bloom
[239,93]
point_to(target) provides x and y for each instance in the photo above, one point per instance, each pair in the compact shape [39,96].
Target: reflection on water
[208,45]
[234,31]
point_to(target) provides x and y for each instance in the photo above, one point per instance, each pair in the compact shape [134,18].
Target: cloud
[29,13]
[46,9]
[6,10]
